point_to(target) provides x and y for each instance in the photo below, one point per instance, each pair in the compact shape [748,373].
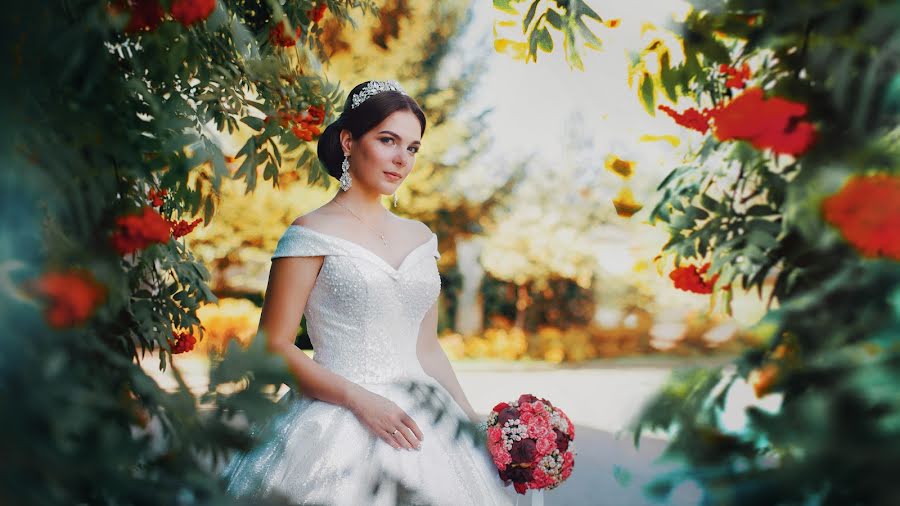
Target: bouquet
[531,442]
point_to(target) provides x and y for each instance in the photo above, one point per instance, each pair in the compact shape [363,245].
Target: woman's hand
[386,420]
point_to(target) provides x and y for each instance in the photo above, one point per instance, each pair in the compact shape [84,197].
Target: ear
[346,140]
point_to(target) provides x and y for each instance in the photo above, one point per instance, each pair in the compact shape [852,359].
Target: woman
[368,285]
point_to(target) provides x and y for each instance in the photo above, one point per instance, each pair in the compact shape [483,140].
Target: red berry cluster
[305,125]
[690,118]
[773,123]
[183,228]
[72,296]
[156,196]
[867,212]
[317,13]
[279,35]
[690,279]
[146,15]
[136,232]
[737,78]
[184,342]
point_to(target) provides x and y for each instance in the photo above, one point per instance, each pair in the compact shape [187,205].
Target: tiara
[374,88]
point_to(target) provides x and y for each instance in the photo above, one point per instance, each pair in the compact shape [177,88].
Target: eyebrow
[397,136]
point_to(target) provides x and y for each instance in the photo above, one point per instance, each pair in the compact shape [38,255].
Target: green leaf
[532,46]
[253,122]
[760,210]
[554,19]
[529,16]
[710,203]
[505,6]
[668,77]
[586,10]
[545,42]
[570,50]
[592,40]
[648,97]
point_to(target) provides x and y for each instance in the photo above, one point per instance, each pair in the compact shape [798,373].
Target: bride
[367,283]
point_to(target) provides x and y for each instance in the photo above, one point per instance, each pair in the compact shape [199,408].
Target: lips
[393,176]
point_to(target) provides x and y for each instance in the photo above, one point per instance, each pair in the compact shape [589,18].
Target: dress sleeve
[434,247]
[299,242]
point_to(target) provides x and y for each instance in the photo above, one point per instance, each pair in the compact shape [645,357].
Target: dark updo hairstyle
[359,121]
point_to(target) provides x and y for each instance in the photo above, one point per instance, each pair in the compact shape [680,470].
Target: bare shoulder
[320,220]
[416,228]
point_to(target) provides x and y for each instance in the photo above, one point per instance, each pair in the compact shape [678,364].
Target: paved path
[600,398]
[601,402]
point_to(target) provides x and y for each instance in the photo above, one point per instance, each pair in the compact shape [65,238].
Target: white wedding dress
[363,318]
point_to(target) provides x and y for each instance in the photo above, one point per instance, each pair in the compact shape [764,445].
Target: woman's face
[383,157]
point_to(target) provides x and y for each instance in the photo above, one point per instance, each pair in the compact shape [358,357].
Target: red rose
[188,12]
[523,451]
[562,440]
[500,407]
[506,415]
[520,487]
[527,398]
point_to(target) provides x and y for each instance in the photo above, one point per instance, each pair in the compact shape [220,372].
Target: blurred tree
[797,181]
[545,236]
[112,146]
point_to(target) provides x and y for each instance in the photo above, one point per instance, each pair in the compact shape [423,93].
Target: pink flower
[571,430]
[526,417]
[494,434]
[567,466]
[501,457]
[540,479]
[540,428]
[545,445]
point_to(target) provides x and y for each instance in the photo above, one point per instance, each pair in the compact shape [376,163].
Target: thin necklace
[363,222]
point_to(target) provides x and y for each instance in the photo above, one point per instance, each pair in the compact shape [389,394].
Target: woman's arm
[290,281]
[434,361]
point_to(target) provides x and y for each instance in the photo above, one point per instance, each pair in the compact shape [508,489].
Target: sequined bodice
[363,315]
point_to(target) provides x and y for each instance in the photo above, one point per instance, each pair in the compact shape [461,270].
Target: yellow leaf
[671,139]
[623,168]
[647,27]
[625,204]
[518,50]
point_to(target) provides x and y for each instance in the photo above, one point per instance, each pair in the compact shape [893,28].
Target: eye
[391,139]
[414,149]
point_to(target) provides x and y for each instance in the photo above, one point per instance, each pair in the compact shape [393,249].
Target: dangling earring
[395,199]
[346,180]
